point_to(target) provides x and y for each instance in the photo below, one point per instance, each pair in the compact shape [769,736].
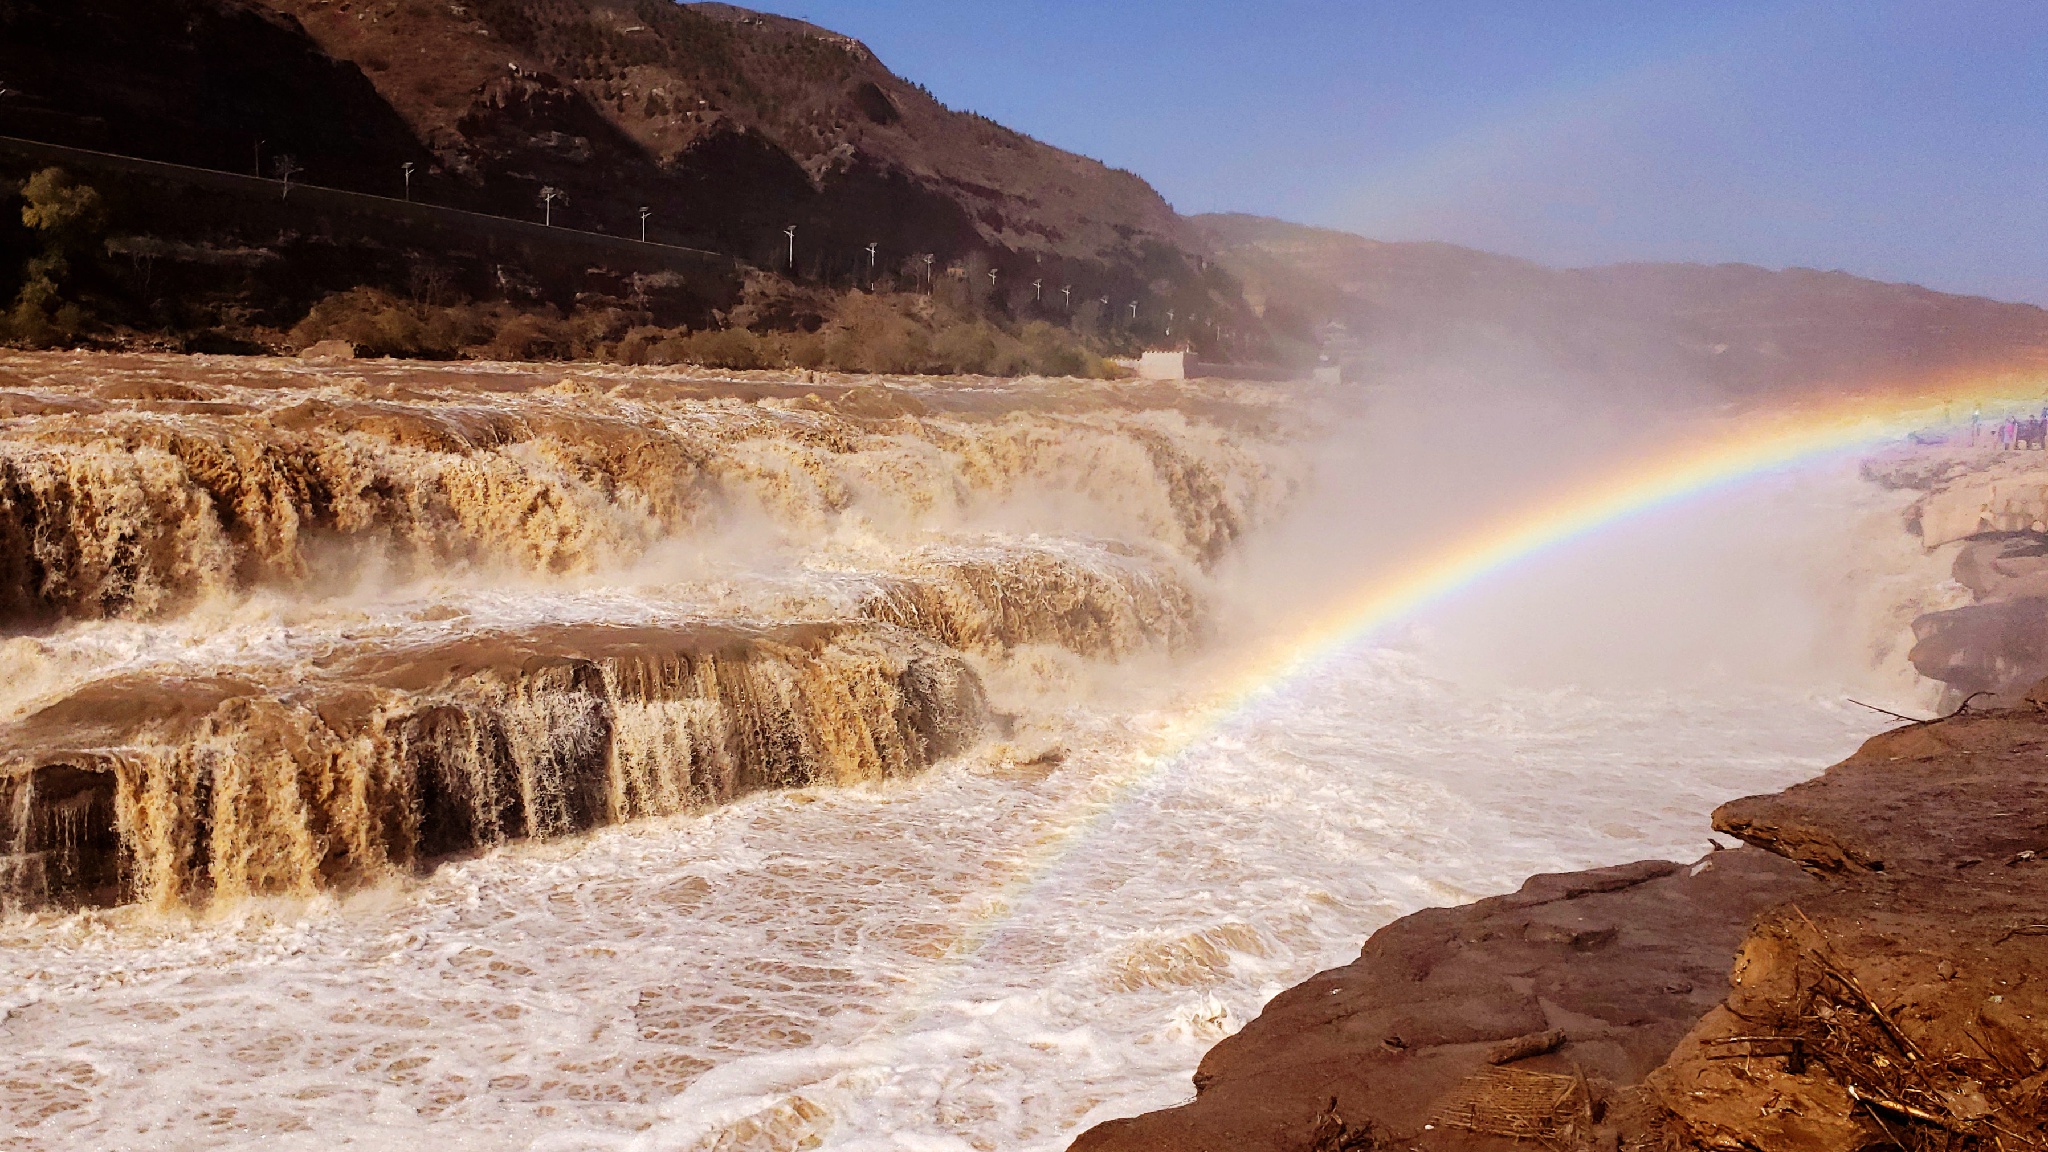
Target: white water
[892,967]
[795,950]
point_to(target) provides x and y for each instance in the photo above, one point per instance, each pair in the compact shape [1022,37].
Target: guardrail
[315,196]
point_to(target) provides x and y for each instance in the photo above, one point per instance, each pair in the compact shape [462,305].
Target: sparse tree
[69,217]
[284,168]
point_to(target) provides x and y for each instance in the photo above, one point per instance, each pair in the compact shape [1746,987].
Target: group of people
[2016,433]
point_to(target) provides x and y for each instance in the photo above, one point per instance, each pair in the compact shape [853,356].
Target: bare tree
[284,168]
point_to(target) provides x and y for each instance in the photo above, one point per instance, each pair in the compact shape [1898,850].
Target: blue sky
[1899,139]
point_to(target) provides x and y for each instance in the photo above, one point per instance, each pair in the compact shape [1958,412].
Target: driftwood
[1793,1048]
[1873,1100]
[1523,1047]
[1823,953]
[1899,716]
[1915,721]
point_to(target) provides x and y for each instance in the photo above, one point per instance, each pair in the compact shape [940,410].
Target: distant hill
[1728,329]
[727,124]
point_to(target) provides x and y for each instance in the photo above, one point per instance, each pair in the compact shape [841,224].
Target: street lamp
[645,212]
[548,196]
[930,285]
[1037,291]
[1068,292]
[873,249]
[791,233]
[407,169]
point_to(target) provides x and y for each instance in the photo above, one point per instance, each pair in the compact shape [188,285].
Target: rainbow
[1735,452]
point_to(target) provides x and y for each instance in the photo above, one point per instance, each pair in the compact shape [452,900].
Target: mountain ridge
[730,126]
[1384,307]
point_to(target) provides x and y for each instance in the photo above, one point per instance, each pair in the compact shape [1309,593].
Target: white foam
[788,970]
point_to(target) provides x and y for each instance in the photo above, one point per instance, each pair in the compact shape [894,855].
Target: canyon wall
[1984,507]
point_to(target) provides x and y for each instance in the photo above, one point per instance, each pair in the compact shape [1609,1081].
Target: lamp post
[930,285]
[407,169]
[1068,292]
[791,233]
[1037,291]
[548,196]
[645,212]
[259,158]
[873,250]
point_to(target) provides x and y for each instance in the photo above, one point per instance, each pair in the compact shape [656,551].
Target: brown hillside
[729,125]
[706,90]
[1728,329]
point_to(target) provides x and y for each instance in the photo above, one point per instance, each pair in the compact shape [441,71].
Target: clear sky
[1898,139]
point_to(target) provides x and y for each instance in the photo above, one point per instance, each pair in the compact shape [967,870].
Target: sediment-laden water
[637,761]
[935,963]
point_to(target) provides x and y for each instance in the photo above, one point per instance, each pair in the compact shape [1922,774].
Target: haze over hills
[730,125]
[1728,329]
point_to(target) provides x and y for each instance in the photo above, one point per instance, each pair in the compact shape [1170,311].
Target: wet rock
[58,839]
[1999,648]
[329,352]
[176,791]
[1460,986]
[1846,983]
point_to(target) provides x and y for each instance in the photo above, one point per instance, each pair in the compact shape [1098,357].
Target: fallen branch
[1523,1047]
[1965,705]
[1792,1048]
[1899,716]
[1820,953]
[1872,1099]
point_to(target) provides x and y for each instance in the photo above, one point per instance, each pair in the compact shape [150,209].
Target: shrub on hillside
[380,324]
[857,332]
[67,217]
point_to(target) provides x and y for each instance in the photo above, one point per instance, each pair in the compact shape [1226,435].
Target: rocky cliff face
[1867,972]
[728,125]
[1987,506]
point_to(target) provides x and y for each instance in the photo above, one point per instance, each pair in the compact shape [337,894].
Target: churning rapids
[636,760]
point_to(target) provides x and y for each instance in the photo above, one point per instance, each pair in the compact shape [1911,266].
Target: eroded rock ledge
[1870,970]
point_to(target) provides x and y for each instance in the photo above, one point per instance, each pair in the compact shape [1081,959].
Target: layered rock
[134,494]
[1868,971]
[779,583]
[171,790]
[1986,505]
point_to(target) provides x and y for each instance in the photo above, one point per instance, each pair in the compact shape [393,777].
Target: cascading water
[794,578]
[850,694]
